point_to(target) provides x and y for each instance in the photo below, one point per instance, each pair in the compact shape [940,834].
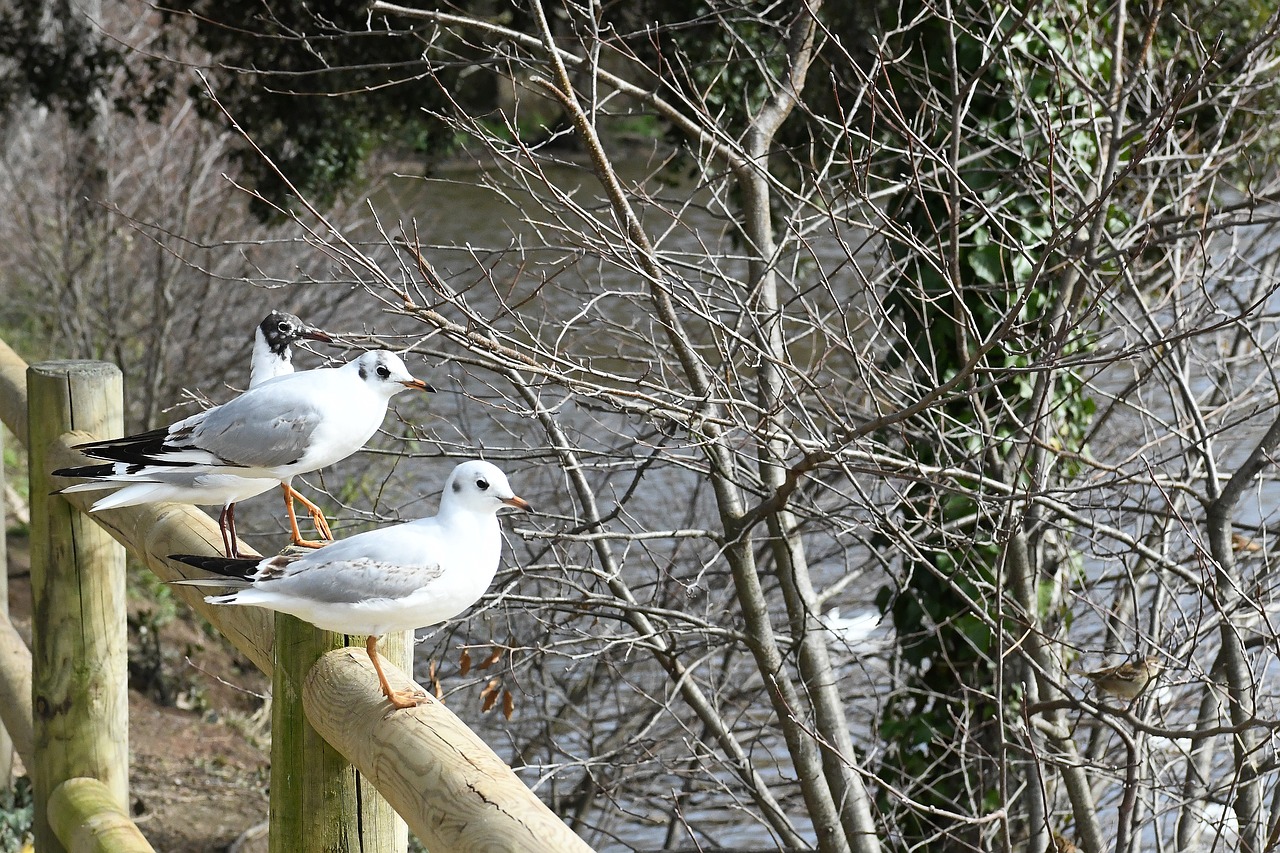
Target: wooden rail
[454,791]
[15,691]
[87,818]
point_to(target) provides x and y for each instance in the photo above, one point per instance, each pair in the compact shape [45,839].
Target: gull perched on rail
[391,579]
[273,340]
[290,425]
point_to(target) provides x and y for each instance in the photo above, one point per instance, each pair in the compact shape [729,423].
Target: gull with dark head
[391,579]
[290,425]
[273,341]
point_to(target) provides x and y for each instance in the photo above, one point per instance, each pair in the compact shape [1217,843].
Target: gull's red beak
[419,384]
[313,334]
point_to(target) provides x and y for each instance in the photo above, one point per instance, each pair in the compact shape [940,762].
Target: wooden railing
[423,765]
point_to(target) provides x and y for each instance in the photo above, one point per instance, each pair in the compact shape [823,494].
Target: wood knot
[47,711]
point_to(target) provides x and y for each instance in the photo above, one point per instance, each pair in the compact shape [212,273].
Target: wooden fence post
[319,802]
[79,677]
[6,742]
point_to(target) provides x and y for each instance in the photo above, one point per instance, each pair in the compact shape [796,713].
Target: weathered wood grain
[13,393]
[456,793]
[79,641]
[15,691]
[6,742]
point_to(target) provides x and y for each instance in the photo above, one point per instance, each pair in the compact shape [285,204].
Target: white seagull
[290,425]
[390,579]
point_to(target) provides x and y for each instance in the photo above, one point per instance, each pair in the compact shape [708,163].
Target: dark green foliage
[316,85]
[53,56]
[989,269]
[17,813]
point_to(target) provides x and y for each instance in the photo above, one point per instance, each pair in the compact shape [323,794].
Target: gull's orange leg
[289,495]
[398,698]
[317,515]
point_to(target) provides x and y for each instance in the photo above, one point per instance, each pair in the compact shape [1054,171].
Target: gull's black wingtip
[230,567]
[86,472]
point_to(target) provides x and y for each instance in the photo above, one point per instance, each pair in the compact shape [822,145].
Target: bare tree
[144,260]
[870,350]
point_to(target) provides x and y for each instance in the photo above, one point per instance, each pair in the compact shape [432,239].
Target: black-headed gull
[391,579]
[272,345]
[290,425]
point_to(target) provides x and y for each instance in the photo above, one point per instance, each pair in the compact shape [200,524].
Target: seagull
[293,424]
[390,579]
[272,355]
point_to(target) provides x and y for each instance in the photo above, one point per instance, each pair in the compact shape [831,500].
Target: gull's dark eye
[384,371]
[283,326]
[482,484]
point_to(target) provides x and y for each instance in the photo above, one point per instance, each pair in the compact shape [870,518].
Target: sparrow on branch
[1126,680]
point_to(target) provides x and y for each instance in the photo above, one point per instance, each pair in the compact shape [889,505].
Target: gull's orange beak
[518,503]
[419,384]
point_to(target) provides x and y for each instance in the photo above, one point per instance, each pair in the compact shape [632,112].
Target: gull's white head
[385,373]
[480,487]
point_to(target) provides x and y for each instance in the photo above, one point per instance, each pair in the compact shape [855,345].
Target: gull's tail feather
[134,484]
[235,583]
[133,494]
[92,486]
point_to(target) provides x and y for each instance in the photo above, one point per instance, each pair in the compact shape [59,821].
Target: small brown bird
[1062,844]
[1126,680]
[1242,544]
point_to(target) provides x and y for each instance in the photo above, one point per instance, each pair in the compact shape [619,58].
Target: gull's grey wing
[352,581]
[258,430]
